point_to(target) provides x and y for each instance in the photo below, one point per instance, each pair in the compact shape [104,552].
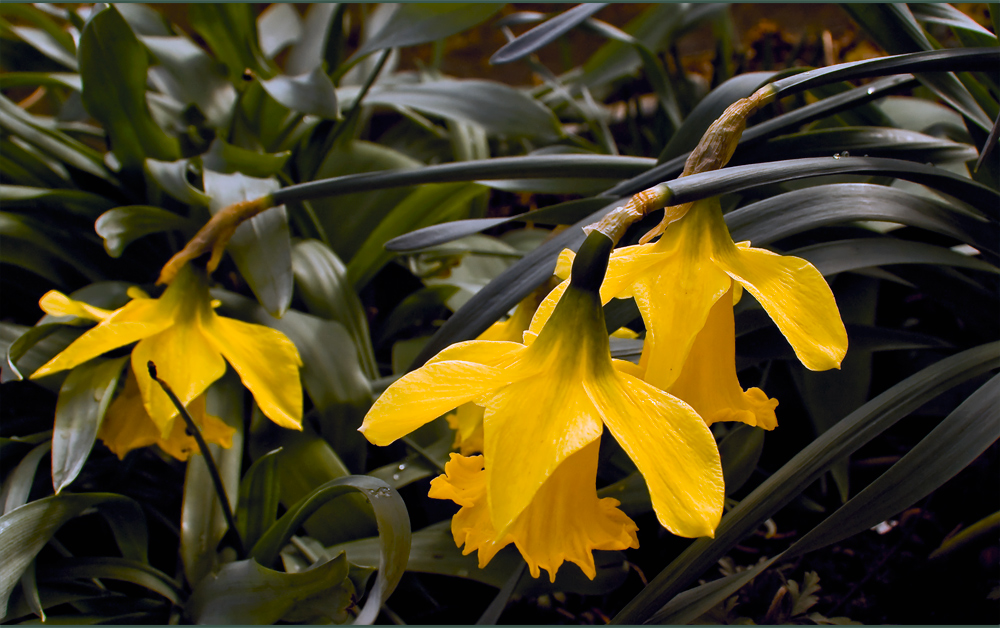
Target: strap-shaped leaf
[25,530]
[324,286]
[421,22]
[203,523]
[113,67]
[794,212]
[545,33]
[949,448]
[257,506]
[261,247]
[244,592]
[499,109]
[83,400]
[393,524]
[856,429]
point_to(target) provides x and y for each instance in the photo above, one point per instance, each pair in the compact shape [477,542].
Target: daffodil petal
[184,360]
[673,449]
[422,395]
[708,381]
[58,304]
[531,426]
[267,362]
[487,352]
[138,319]
[544,311]
[796,297]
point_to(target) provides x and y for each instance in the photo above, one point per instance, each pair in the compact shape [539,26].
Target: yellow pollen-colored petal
[138,319]
[673,449]
[457,375]
[795,296]
[267,362]
[58,304]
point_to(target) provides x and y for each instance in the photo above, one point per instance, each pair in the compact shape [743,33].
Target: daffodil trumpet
[547,401]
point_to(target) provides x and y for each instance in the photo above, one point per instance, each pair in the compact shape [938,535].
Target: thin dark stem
[213,470]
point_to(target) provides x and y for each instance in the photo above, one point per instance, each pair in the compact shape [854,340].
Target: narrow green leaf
[113,67]
[181,59]
[499,109]
[544,33]
[171,176]
[537,167]
[278,26]
[834,257]
[318,37]
[123,225]
[44,240]
[77,201]
[67,150]
[244,592]
[422,22]
[25,530]
[861,141]
[35,347]
[393,524]
[947,449]
[323,284]
[83,400]
[112,568]
[226,158]
[261,247]
[231,33]
[17,486]
[740,450]
[311,93]
[257,506]
[203,523]
[562,213]
[809,208]
[847,436]
[427,205]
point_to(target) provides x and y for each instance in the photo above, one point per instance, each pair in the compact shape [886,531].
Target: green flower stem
[591,262]
[213,470]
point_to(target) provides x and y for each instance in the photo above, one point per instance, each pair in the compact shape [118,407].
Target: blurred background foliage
[124,128]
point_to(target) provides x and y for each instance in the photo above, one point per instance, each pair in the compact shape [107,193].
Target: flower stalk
[213,470]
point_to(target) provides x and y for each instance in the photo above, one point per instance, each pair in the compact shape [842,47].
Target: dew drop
[836,155]
[395,476]
[845,154]
[402,466]
[871,90]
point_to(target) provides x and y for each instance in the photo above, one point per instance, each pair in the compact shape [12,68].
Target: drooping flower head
[549,399]
[190,345]
[685,285]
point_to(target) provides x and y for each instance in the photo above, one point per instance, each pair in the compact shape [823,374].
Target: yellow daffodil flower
[549,399]
[190,345]
[565,520]
[682,285]
[127,426]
